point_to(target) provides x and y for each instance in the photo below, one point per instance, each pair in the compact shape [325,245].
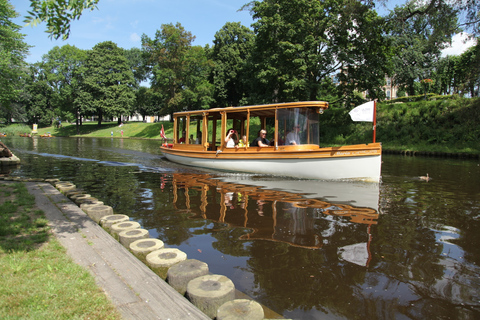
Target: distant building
[390,89]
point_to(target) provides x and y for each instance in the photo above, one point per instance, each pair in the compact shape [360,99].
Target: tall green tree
[137,62]
[231,49]
[64,69]
[299,43]
[38,96]
[418,42]
[108,81]
[467,12]
[445,75]
[469,69]
[13,51]
[179,71]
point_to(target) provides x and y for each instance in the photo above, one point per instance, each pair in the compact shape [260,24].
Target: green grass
[137,130]
[39,279]
[15,129]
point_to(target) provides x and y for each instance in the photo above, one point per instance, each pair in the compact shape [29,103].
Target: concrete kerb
[135,289]
[128,236]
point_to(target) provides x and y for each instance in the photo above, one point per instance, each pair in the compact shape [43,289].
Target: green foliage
[13,51]
[418,41]
[58,14]
[300,43]
[451,122]
[428,97]
[15,129]
[230,52]
[180,70]
[108,81]
[64,69]
[435,125]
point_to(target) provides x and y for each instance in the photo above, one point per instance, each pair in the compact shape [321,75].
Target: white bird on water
[425,178]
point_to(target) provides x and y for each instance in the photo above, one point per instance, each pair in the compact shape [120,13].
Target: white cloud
[134,37]
[460,43]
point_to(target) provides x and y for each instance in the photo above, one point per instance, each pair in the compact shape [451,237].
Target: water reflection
[271,214]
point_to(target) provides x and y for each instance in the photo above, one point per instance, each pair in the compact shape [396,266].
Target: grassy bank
[39,279]
[446,126]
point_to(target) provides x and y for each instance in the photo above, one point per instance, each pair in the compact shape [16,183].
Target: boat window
[181,130]
[298,126]
[195,130]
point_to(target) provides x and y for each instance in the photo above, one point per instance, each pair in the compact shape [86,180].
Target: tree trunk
[100,115]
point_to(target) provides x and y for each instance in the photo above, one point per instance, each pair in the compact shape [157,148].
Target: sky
[124,22]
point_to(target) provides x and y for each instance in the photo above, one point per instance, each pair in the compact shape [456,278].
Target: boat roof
[257,110]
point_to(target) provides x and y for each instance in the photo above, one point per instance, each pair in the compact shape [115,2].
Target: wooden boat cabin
[200,139]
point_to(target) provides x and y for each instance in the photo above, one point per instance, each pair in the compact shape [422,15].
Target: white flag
[363,112]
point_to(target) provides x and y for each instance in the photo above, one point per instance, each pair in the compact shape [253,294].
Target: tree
[230,53]
[58,14]
[418,42]
[467,12]
[145,102]
[38,97]
[108,81]
[13,51]
[137,62]
[64,69]
[300,43]
[444,75]
[179,71]
[469,69]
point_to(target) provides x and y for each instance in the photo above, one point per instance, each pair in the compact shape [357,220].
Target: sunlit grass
[39,279]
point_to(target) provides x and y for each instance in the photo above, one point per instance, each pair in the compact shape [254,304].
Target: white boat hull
[365,168]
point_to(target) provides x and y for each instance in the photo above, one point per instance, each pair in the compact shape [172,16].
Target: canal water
[402,249]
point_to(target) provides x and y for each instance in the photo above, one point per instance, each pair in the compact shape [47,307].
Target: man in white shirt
[293,137]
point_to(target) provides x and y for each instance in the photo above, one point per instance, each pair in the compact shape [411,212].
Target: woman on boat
[261,141]
[230,140]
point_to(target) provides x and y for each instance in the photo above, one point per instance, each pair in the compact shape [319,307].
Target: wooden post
[374,120]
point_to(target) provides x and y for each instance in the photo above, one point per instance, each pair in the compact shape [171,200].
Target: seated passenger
[199,138]
[182,139]
[243,142]
[293,137]
[230,140]
[261,141]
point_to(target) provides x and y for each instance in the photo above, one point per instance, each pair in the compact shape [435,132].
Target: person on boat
[182,139]
[230,140]
[293,137]
[191,140]
[261,140]
[199,138]
[243,142]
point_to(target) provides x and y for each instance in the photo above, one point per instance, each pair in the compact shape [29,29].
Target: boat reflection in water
[274,214]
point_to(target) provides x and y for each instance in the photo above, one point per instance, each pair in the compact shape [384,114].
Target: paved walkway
[136,290]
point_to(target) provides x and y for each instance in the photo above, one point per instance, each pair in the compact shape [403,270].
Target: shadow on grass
[150,131]
[22,228]
[85,128]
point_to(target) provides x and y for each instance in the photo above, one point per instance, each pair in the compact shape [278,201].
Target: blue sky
[124,22]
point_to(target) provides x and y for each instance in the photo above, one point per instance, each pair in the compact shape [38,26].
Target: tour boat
[294,149]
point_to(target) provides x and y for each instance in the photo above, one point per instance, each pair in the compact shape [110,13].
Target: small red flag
[162,133]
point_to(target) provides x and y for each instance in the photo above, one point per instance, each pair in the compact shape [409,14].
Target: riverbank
[433,128]
[39,280]
[121,276]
